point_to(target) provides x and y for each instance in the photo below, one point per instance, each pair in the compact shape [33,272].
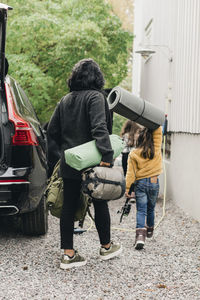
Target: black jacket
[80,116]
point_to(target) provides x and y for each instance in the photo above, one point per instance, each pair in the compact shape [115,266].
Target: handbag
[102,183]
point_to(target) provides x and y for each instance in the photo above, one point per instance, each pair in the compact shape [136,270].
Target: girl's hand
[127,195]
[132,195]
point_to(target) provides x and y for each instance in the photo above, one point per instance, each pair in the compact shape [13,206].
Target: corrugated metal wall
[174,85]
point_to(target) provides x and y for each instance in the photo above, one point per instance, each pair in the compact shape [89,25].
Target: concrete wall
[184,173]
[182,170]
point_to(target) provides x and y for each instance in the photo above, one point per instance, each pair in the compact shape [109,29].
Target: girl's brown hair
[145,142]
[131,128]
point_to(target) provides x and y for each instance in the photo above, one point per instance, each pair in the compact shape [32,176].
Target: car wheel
[36,222]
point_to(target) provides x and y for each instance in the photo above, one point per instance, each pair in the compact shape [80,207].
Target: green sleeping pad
[87,155]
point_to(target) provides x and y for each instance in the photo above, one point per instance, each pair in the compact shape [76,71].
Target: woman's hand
[104,164]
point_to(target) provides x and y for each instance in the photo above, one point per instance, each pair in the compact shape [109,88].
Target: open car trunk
[3,70]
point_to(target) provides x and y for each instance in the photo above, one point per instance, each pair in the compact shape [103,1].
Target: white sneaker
[70,262]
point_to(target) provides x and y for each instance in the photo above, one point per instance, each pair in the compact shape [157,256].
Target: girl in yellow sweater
[144,166]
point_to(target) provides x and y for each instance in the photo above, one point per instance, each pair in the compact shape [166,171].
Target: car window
[24,107]
[1,16]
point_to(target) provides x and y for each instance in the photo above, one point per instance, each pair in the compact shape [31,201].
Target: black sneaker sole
[139,245]
[149,236]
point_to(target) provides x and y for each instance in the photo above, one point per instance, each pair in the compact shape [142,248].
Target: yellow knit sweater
[139,167]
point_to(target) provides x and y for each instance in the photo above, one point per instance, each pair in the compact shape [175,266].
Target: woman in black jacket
[81,116]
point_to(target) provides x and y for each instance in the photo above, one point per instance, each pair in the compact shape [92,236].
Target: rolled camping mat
[87,155]
[134,108]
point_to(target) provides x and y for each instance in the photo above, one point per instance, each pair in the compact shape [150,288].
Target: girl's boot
[149,231]
[141,234]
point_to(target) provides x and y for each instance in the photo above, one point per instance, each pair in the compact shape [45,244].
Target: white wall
[174,86]
[184,173]
[175,33]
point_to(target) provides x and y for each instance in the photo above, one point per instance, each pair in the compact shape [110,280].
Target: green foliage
[118,122]
[46,38]
[33,80]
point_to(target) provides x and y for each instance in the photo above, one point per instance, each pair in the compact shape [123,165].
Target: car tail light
[13,181]
[24,134]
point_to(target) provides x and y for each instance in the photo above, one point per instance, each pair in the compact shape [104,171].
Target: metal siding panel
[191,101]
[192,58]
[197,81]
[196,91]
[176,24]
[172,25]
[186,79]
[185,61]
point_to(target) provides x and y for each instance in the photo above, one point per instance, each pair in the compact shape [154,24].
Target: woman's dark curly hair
[145,141]
[86,74]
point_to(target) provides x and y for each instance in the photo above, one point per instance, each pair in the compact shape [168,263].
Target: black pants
[72,200]
[125,162]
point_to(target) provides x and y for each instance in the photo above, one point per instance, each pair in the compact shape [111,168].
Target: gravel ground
[168,267]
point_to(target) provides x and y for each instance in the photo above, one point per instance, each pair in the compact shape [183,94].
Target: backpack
[54,197]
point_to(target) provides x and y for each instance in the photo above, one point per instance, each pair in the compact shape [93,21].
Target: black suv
[23,166]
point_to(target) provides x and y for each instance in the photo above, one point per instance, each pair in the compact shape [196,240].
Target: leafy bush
[46,38]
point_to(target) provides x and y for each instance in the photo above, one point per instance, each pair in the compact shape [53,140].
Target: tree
[124,10]
[46,38]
